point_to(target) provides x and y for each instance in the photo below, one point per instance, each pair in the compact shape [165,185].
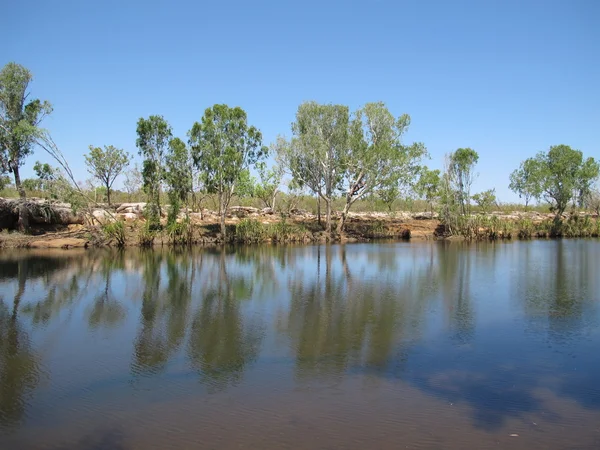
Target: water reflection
[486,326]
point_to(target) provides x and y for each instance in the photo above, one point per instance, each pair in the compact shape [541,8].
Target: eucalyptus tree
[178,175]
[428,185]
[461,174]
[525,181]
[154,136]
[106,165]
[20,118]
[223,147]
[563,176]
[376,159]
[316,154]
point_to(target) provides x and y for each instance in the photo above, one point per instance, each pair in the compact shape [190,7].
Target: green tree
[154,136]
[316,155]
[564,176]
[525,181]
[106,165]
[376,157]
[428,185]
[223,147]
[19,120]
[485,200]
[461,174]
[178,175]
[4,181]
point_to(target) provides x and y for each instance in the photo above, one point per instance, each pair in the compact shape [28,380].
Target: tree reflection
[19,367]
[106,310]
[339,322]
[222,342]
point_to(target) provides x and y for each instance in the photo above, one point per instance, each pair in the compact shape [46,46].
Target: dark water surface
[370,346]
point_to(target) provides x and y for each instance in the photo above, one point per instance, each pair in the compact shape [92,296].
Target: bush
[115,231]
[147,235]
[250,231]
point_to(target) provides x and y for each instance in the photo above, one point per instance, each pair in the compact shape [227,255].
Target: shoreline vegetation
[54,225]
[340,175]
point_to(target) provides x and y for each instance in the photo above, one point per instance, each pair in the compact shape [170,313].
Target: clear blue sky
[506,77]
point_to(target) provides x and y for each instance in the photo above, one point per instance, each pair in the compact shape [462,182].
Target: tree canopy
[106,165]
[223,146]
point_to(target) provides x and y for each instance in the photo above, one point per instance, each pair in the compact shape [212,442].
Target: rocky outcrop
[40,212]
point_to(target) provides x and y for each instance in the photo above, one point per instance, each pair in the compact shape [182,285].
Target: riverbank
[124,225]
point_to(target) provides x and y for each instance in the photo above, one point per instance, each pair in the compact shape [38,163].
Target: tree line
[332,153]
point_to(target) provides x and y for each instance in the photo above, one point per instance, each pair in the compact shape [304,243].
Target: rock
[128,217]
[103,216]
[267,211]
[131,208]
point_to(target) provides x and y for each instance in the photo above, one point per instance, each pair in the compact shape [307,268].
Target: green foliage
[4,182]
[19,120]
[525,181]
[562,176]
[376,158]
[106,165]
[154,136]
[115,231]
[147,234]
[460,173]
[485,200]
[224,147]
[428,185]
[178,174]
[316,156]
[250,231]
[180,233]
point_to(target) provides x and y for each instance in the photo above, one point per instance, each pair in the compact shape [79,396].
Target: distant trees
[485,200]
[460,173]
[106,165]
[560,176]
[223,147]
[428,185]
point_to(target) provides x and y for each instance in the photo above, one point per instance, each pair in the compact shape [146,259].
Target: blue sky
[508,78]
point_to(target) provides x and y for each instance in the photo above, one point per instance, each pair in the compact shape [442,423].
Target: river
[429,345]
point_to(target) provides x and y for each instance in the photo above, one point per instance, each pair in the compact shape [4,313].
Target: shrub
[115,231]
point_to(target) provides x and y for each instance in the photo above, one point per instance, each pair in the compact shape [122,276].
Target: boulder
[136,208]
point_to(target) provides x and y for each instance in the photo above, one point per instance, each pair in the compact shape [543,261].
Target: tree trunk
[319,209]
[342,222]
[108,194]
[18,185]
[328,217]
[23,222]
[222,216]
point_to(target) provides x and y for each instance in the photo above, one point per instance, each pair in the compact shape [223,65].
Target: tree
[316,155]
[106,165]
[133,181]
[154,135]
[592,201]
[485,200]
[19,120]
[376,157]
[178,175]
[460,171]
[4,181]
[563,176]
[223,147]
[525,182]
[428,185]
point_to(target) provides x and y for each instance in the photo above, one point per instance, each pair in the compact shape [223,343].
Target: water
[392,345]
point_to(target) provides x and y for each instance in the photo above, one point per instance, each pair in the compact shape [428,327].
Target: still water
[366,346]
